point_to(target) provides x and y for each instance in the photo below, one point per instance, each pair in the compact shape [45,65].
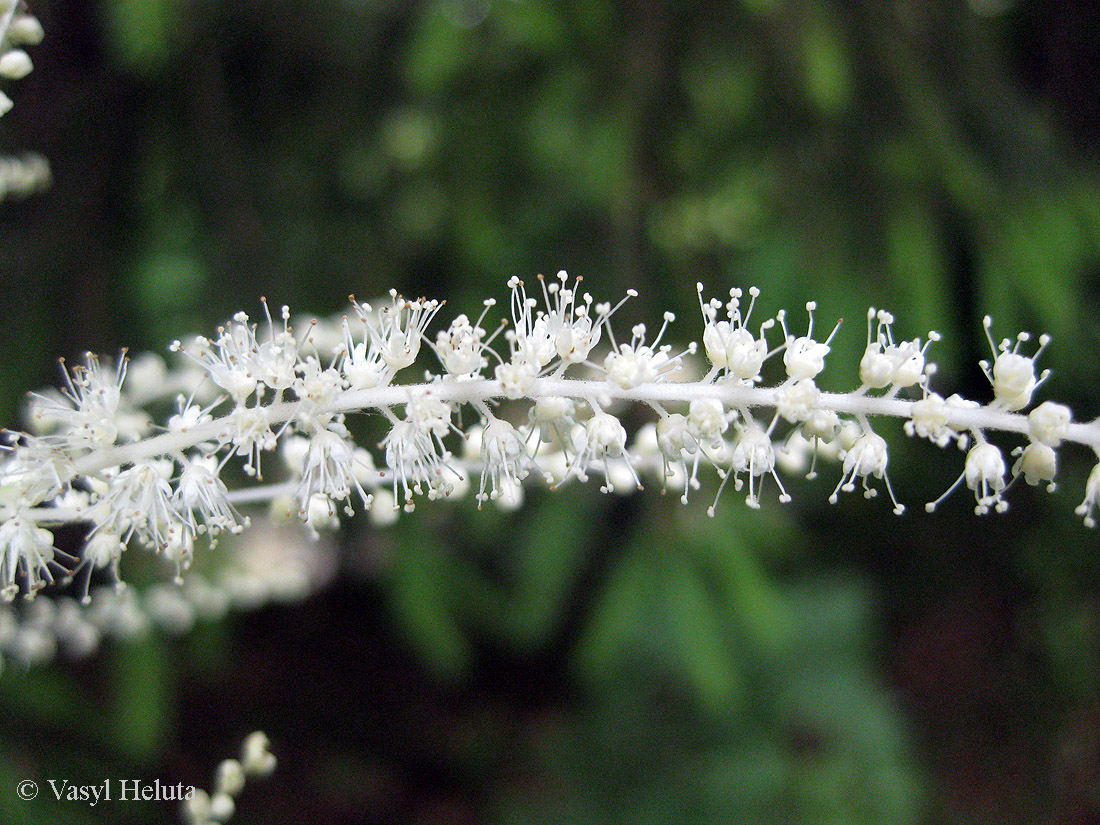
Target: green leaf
[615,619]
[701,633]
[420,599]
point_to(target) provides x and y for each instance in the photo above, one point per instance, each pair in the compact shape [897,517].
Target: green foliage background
[592,659]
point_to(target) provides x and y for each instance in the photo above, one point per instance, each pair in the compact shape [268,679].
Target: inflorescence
[538,399]
[30,172]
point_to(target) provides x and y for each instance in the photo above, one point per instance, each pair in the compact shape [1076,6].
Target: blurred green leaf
[418,588]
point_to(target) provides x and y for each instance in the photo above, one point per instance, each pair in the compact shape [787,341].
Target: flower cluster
[25,175]
[256,762]
[271,563]
[545,406]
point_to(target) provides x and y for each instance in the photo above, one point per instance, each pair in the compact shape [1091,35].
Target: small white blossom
[429,413]
[317,389]
[412,458]
[804,357]
[678,439]
[362,363]
[1037,462]
[796,400]
[274,361]
[249,430]
[229,359]
[600,439]
[24,30]
[530,337]
[1092,495]
[1049,422]
[984,473]
[26,554]
[88,412]
[329,468]
[35,470]
[15,64]
[707,420]
[138,502]
[868,456]
[554,417]
[631,365]
[190,415]
[397,330]
[754,453]
[256,758]
[517,377]
[571,324]
[203,499]
[1012,375]
[930,417]
[461,347]
[729,344]
[885,363]
[505,461]
[821,425]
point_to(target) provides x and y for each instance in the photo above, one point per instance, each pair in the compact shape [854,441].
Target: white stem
[465,392]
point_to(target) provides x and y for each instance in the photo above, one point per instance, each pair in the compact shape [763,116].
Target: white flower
[885,363]
[804,357]
[754,452]
[631,365]
[201,492]
[414,462]
[797,400]
[1037,462]
[317,388]
[530,336]
[571,325]
[329,468]
[1092,495]
[983,472]
[461,347]
[820,425]
[228,360]
[867,457]
[708,420]
[138,502]
[275,360]
[88,411]
[24,30]
[554,416]
[429,413]
[517,377]
[1049,422]
[1013,375]
[362,363]
[600,439]
[674,438]
[929,419]
[249,429]
[26,553]
[34,471]
[190,415]
[15,64]
[256,759]
[505,461]
[729,344]
[398,329]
